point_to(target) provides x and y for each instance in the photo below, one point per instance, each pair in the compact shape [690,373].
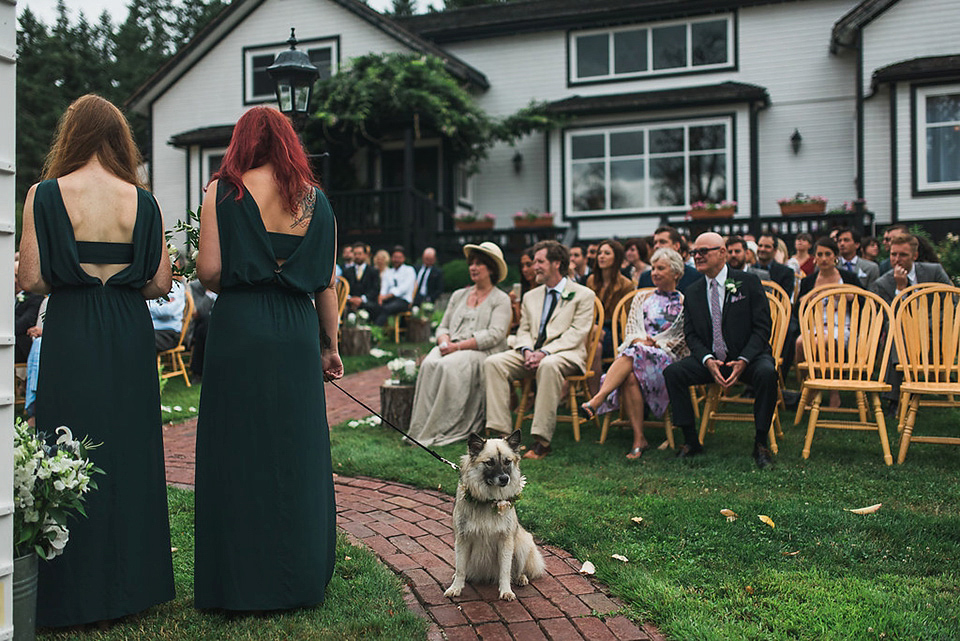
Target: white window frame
[920,135]
[572,39]
[686,123]
[249,53]
[205,156]
[464,182]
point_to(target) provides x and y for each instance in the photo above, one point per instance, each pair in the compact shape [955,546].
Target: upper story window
[938,137]
[661,48]
[257,84]
[654,167]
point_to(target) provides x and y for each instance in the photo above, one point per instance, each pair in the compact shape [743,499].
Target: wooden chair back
[927,334]
[593,338]
[175,354]
[907,291]
[773,289]
[343,292]
[621,313]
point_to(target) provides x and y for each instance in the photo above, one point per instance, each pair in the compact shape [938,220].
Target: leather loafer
[688,451]
[538,451]
[762,456]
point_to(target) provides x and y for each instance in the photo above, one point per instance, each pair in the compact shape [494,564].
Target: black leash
[411,439]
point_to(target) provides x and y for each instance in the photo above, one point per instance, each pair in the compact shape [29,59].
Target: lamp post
[294,75]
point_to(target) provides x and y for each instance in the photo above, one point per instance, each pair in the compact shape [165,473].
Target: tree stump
[418,330]
[396,404]
[354,341]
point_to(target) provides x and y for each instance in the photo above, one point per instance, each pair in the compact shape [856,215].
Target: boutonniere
[21,296]
[732,286]
[567,295]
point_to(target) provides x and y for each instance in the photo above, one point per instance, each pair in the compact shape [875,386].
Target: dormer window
[651,50]
[257,85]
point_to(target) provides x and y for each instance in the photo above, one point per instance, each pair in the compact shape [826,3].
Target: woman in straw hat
[449,400]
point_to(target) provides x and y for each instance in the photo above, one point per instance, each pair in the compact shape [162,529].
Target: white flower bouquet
[49,482]
[403,371]
[359,318]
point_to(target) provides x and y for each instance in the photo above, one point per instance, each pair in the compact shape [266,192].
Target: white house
[667,103]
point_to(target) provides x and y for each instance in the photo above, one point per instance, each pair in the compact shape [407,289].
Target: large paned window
[938,137]
[667,47]
[257,84]
[656,167]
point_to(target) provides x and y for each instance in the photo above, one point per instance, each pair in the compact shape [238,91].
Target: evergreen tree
[404,8]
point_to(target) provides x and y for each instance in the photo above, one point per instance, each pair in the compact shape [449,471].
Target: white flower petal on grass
[353,424]
[177,408]
[192,409]
[620,557]
[588,568]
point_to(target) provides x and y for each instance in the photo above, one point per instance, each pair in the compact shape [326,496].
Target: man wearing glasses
[726,322]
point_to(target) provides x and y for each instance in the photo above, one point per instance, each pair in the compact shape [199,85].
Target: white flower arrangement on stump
[403,371]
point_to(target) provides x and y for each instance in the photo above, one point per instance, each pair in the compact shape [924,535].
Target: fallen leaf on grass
[749,589]
[173,549]
[664,445]
[865,510]
[619,557]
[638,520]
[588,568]
[790,553]
[730,514]
[766,519]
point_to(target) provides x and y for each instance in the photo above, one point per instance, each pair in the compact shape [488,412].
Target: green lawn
[364,601]
[820,573]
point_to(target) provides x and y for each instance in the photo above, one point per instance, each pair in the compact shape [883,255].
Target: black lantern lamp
[795,141]
[294,75]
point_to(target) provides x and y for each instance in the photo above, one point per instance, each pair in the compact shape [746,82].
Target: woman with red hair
[265,513]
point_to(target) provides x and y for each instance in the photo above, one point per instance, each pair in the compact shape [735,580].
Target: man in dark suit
[363,279]
[726,321]
[779,273]
[667,236]
[848,242]
[893,230]
[429,278]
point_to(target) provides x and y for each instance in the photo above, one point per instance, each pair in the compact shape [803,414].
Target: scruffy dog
[490,545]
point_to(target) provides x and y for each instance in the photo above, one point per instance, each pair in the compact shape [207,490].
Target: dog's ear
[514,440]
[475,443]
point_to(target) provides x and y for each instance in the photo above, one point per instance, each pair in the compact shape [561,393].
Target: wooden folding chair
[175,354]
[620,314]
[854,364]
[576,383]
[343,293]
[780,319]
[926,329]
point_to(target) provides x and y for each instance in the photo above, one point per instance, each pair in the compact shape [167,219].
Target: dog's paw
[453,590]
[523,580]
[507,595]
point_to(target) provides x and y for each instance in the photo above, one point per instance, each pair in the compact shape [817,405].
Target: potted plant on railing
[803,204]
[702,209]
[848,207]
[419,325]
[50,482]
[531,217]
[473,221]
[356,333]
[396,393]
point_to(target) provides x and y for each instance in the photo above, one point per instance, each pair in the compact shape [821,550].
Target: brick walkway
[409,528]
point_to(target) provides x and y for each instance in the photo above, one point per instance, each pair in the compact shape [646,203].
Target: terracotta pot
[788,209]
[526,223]
[701,214]
[472,225]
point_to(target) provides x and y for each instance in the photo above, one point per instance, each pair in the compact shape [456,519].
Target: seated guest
[848,242]
[33,364]
[634,259]
[825,252]
[396,287]
[381,262]
[364,280]
[449,400]
[726,323]
[779,273]
[592,255]
[653,339]
[555,321]
[579,269]
[346,257]
[667,236]
[429,278]
[870,248]
[737,255]
[610,286]
[25,316]
[167,316]
[891,231]
[528,281]
[802,261]
[203,300]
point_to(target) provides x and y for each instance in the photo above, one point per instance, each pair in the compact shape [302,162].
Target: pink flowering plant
[848,207]
[473,216]
[50,482]
[703,205]
[531,213]
[802,199]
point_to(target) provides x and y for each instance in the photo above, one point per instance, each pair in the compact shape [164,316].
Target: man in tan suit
[555,320]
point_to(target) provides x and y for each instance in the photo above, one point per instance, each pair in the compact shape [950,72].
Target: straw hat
[493,251]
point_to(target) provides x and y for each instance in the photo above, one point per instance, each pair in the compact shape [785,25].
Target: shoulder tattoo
[305,213]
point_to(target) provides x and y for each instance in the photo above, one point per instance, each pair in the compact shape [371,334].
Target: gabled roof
[846,28]
[929,68]
[235,13]
[526,16]
[718,94]
[215,136]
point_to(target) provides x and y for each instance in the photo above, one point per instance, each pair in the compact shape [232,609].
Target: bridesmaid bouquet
[403,371]
[49,482]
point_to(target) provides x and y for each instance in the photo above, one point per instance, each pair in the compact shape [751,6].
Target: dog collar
[498,505]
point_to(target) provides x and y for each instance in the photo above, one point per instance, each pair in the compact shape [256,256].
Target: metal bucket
[25,569]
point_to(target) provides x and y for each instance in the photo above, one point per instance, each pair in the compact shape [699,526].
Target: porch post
[408,226]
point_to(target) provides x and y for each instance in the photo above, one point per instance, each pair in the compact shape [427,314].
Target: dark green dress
[98,376]
[265,513]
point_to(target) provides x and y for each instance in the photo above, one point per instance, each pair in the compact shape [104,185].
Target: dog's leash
[407,436]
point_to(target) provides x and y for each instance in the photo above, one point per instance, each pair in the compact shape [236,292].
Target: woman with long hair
[93,238]
[528,280]
[610,286]
[802,261]
[634,263]
[265,513]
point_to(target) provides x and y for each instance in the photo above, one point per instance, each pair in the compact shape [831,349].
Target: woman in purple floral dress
[653,339]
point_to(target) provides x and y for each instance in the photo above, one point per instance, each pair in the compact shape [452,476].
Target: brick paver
[410,529]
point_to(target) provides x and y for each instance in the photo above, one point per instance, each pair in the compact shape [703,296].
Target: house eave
[686,97]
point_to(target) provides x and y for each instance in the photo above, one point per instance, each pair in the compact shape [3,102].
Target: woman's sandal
[636,453]
[586,412]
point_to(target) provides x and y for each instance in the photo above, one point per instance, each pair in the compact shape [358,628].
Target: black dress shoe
[791,399]
[762,456]
[689,451]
